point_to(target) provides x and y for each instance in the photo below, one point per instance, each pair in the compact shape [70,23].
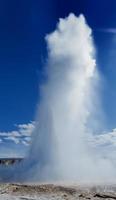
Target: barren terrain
[57,192]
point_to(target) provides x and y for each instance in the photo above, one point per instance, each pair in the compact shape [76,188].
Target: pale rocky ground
[57,192]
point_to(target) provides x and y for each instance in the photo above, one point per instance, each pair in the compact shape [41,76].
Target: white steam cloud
[69,110]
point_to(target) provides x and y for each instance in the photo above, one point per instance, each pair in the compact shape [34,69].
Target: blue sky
[23,26]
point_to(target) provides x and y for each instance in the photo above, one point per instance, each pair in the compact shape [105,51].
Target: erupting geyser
[68,112]
[68,108]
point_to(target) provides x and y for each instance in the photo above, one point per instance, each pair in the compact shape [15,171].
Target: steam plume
[68,110]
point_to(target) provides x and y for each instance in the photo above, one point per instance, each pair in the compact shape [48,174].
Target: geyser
[69,109]
[69,112]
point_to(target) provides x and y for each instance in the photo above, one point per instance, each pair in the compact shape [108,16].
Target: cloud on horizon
[9,141]
[20,136]
[105,139]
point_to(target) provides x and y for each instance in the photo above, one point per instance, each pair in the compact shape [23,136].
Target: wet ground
[57,192]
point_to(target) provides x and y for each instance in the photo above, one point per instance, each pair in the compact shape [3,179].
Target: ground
[57,192]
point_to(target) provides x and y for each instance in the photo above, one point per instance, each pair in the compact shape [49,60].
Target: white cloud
[28,139]
[26,129]
[12,133]
[104,139]
[13,139]
[108,30]
[25,143]
[22,135]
